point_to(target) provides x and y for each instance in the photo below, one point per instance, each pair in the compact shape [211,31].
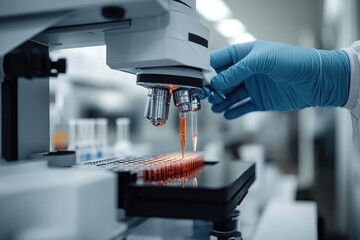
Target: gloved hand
[277,77]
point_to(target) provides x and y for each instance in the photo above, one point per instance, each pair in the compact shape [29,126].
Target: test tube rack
[154,169]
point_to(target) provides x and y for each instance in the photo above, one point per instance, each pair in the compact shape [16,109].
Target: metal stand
[25,104]
[228,229]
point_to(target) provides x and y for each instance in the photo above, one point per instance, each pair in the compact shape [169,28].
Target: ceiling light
[243,38]
[230,28]
[213,10]
[332,10]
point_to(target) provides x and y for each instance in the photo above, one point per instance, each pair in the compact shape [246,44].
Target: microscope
[168,54]
[166,46]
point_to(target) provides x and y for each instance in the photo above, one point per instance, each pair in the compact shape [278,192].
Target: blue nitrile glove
[277,77]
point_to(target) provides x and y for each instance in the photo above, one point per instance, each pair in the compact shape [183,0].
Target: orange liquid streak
[182,135]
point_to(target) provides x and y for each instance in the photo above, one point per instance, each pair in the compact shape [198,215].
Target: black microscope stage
[211,192]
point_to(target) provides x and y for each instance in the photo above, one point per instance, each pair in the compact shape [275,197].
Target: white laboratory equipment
[164,43]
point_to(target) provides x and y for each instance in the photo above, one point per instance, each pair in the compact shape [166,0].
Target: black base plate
[220,188]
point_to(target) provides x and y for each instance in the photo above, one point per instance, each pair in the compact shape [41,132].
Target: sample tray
[204,190]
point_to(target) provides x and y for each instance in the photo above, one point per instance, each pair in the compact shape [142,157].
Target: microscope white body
[161,41]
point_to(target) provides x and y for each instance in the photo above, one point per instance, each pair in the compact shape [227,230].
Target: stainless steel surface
[182,99]
[157,106]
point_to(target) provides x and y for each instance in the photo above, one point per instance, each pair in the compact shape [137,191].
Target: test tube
[122,126]
[80,143]
[182,132]
[194,129]
[86,138]
[101,137]
[123,144]
[195,107]
[91,140]
[72,134]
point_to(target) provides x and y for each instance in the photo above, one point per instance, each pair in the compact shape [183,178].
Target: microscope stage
[209,191]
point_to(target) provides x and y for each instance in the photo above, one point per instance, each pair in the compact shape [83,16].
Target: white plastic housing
[160,41]
[37,202]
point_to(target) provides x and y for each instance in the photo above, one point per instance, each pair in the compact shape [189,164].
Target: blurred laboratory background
[305,155]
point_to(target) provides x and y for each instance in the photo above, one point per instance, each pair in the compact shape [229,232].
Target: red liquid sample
[169,168]
[182,133]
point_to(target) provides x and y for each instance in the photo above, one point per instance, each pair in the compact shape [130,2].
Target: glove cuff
[353,53]
[353,103]
[334,78]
